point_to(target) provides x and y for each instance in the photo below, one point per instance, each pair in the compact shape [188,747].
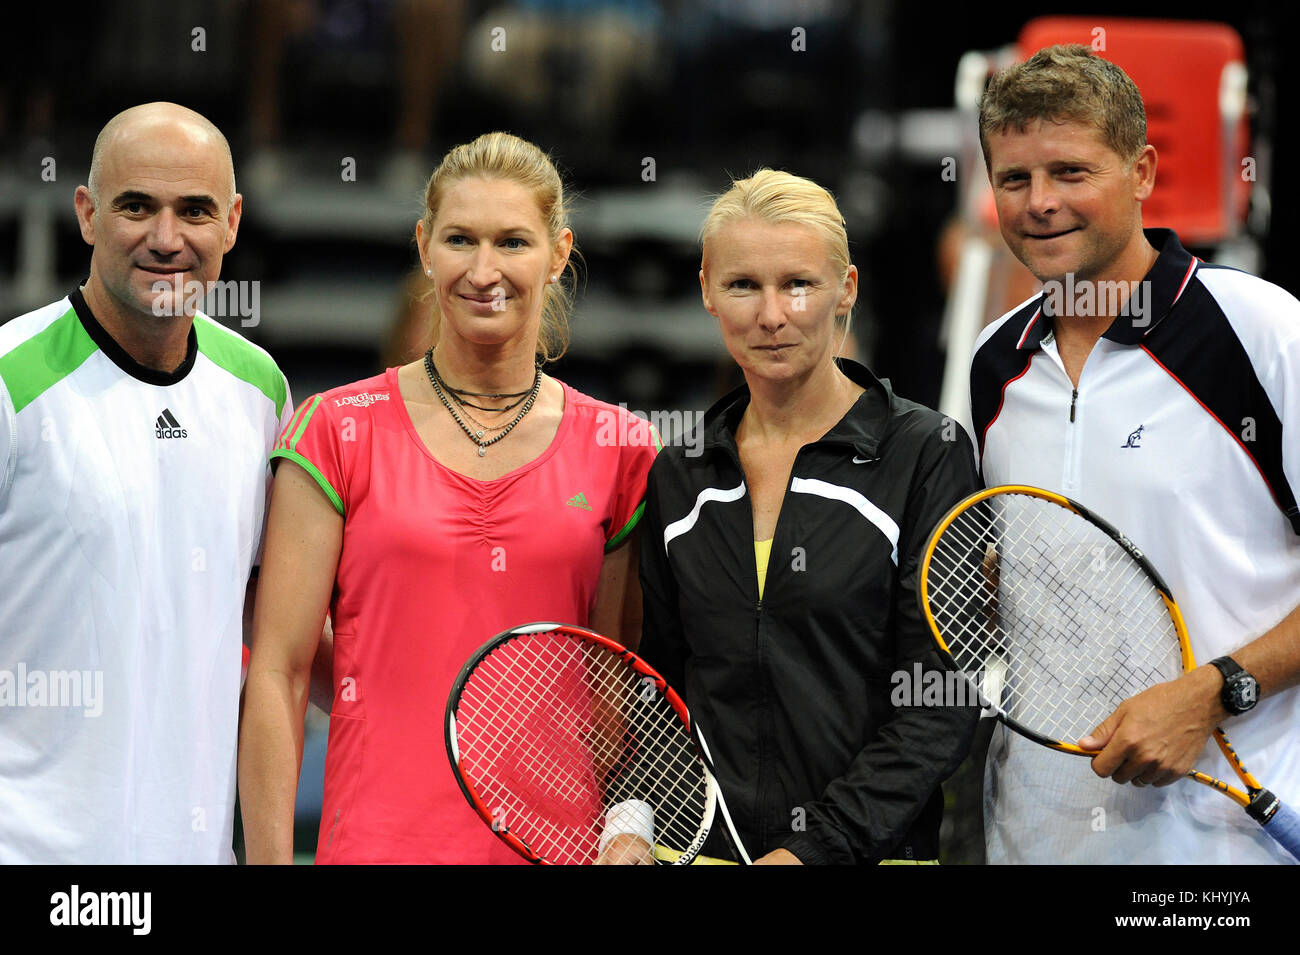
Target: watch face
[1243,693]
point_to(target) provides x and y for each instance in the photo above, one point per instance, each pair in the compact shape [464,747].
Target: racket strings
[1069,619]
[553,731]
[528,744]
[513,773]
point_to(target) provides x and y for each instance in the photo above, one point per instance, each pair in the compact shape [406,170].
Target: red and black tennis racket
[575,751]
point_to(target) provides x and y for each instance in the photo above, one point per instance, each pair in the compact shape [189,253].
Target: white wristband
[632,817]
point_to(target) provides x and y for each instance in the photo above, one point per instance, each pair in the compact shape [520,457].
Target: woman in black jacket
[779,554]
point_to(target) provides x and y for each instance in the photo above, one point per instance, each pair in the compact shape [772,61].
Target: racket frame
[1257,801]
[713,795]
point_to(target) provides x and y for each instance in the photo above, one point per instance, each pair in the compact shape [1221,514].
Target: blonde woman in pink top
[427,509]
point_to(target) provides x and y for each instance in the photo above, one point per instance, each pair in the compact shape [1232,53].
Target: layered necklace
[457,400]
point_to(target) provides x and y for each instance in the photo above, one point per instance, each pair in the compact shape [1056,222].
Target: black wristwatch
[1240,690]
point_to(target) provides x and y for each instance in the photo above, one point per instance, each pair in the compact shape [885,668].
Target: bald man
[134,436]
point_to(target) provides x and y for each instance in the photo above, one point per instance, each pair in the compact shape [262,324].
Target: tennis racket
[1055,618]
[563,741]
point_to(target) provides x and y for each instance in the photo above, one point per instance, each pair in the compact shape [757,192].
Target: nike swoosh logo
[858,460]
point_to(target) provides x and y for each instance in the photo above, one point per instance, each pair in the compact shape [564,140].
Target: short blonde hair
[503,156]
[771,195]
[775,196]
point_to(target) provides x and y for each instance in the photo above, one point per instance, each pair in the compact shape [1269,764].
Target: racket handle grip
[1263,805]
[1279,821]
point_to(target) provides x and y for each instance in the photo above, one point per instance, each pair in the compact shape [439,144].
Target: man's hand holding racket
[1056,618]
[1155,737]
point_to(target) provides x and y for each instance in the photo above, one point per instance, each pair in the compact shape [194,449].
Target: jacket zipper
[1073,457]
[734,453]
[760,790]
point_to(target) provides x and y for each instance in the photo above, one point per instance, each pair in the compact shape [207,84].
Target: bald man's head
[160,212]
[138,119]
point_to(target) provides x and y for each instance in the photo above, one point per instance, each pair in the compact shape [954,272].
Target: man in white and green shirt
[134,435]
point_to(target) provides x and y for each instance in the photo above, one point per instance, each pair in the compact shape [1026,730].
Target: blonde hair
[771,195]
[503,156]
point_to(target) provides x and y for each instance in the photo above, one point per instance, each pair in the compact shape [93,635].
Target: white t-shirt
[131,513]
[1185,434]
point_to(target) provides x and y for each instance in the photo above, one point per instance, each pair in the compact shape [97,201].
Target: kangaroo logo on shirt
[1133,438]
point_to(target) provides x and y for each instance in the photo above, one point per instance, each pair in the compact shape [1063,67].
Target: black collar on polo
[1144,309]
[118,355]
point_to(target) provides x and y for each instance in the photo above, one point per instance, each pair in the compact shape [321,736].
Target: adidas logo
[168,427]
[578,500]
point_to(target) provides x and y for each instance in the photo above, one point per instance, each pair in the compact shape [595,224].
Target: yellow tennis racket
[1055,618]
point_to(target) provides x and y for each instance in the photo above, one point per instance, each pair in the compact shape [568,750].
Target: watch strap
[1227,666]
[1240,690]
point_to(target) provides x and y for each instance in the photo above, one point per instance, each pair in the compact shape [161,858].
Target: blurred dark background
[647,106]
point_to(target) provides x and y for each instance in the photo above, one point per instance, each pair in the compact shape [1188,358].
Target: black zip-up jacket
[795,693]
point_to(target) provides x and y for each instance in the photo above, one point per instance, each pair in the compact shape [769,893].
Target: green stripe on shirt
[241,358]
[291,441]
[621,536]
[314,471]
[45,359]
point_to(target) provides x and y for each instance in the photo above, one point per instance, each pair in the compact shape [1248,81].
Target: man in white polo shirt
[134,435]
[1163,393]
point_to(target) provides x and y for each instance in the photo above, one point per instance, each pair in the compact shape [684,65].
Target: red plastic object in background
[1179,67]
